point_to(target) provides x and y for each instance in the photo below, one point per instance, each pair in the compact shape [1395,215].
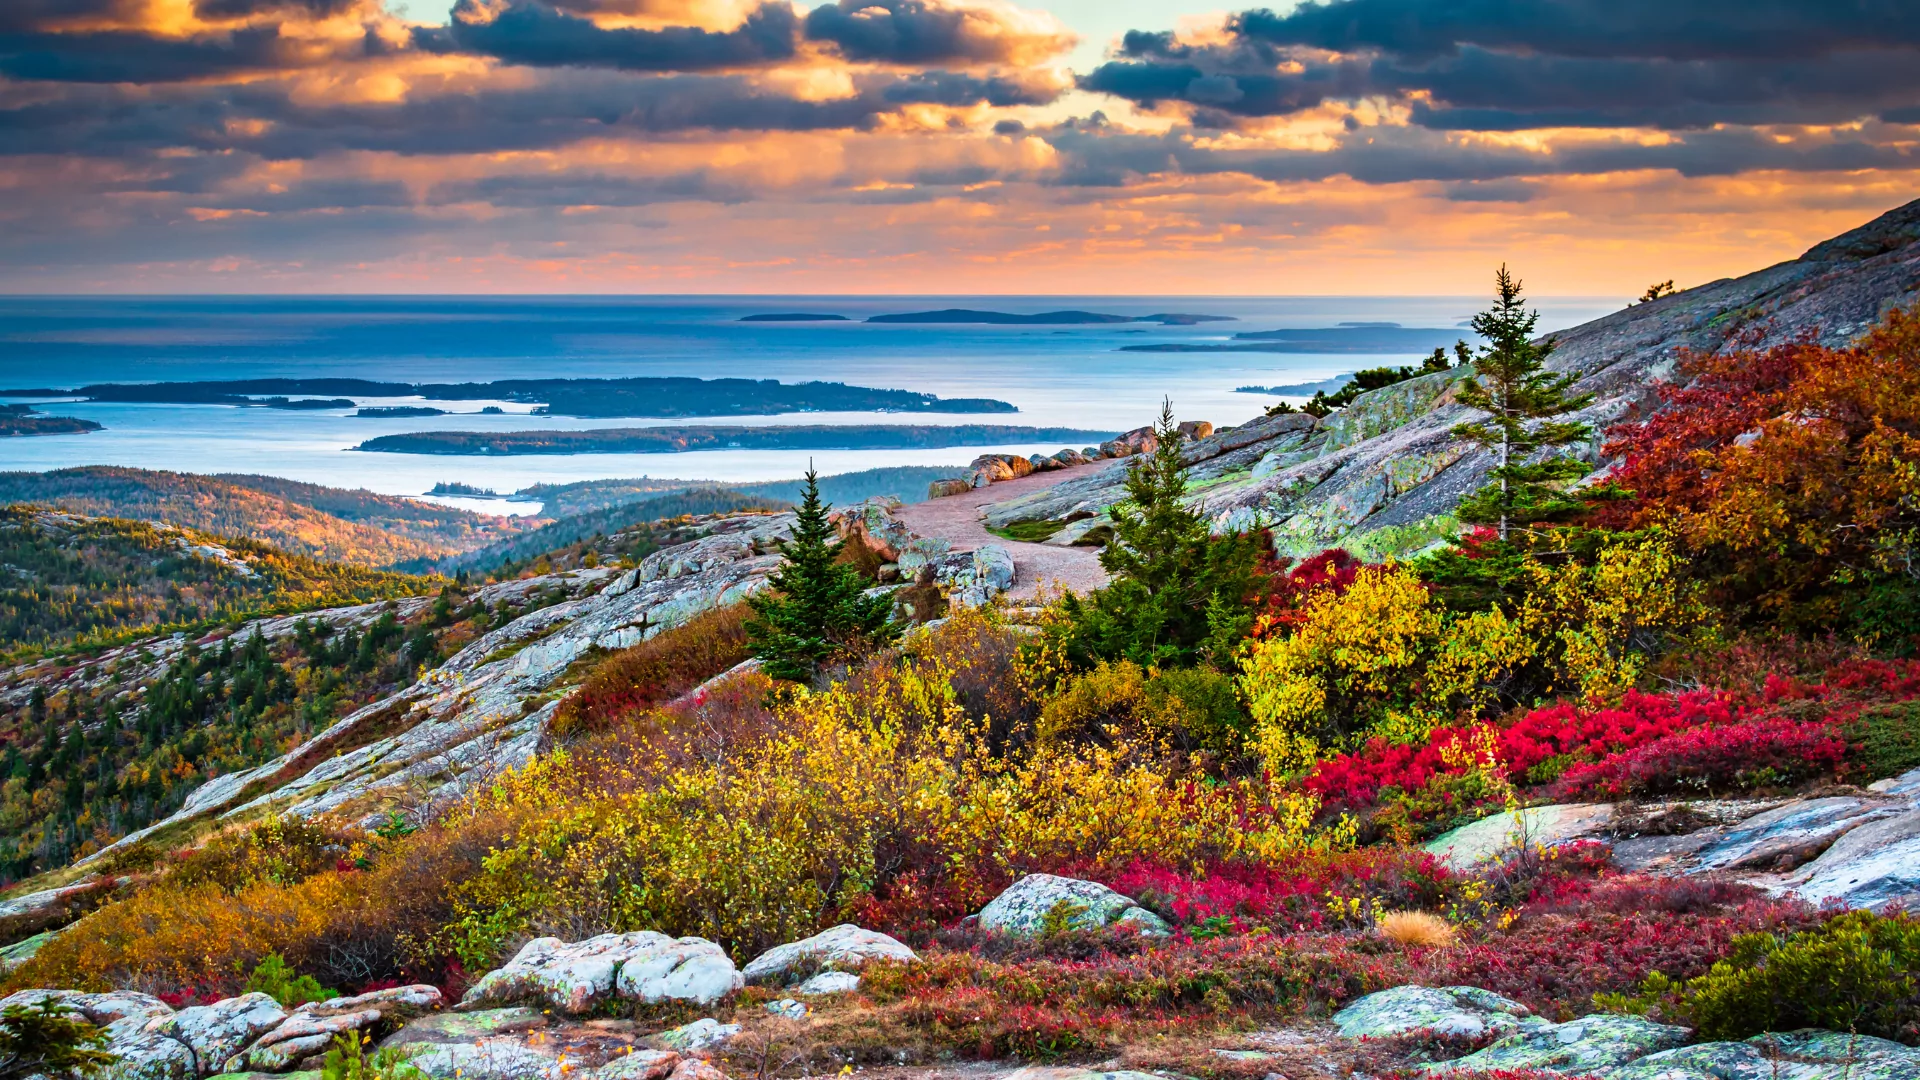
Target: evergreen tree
[1177,593]
[1521,399]
[817,610]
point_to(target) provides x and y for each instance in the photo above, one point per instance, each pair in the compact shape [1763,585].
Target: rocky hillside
[1384,474]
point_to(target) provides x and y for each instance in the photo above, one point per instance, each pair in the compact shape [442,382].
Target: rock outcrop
[1466,1012]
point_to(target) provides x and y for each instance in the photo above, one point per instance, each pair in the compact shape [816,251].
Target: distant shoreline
[679,440]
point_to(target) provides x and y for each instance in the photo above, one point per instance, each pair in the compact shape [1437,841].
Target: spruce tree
[1176,592]
[817,610]
[1521,399]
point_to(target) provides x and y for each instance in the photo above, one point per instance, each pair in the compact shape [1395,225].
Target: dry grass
[1409,928]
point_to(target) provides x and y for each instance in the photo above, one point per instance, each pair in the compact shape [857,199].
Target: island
[23,420]
[303,404]
[794,316]
[640,396]
[398,412]
[456,488]
[1345,338]
[1045,318]
[680,440]
[1305,389]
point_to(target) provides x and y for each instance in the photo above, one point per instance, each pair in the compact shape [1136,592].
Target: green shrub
[1884,740]
[273,977]
[1854,974]
[49,1039]
[1201,709]
[349,1060]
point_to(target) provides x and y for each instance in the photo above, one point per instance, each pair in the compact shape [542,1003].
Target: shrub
[1407,928]
[49,1039]
[656,671]
[347,1059]
[1855,974]
[272,977]
[1766,752]
[1884,740]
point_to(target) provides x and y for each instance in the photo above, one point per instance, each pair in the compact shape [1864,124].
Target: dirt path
[956,519]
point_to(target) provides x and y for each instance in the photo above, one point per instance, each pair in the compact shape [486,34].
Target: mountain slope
[1385,474]
[326,523]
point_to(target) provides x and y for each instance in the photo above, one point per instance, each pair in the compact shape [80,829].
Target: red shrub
[1290,585]
[1757,753]
[1290,898]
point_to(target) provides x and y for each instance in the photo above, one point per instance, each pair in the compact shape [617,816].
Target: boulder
[1022,909]
[1465,1011]
[1076,1072]
[1195,429]
[829,982]
[699,1035]
[843,948]
[940,489]
[1540,826]
[573,978]
[488,1059]
[148,1055]
[466,1027]
[1579,1046]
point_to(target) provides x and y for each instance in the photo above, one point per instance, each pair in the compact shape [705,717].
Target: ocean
[1073,376]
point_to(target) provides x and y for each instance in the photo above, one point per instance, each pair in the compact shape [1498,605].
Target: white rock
[486,1059]
[1023,908]
[843,948]
[830,982]
[573,978]
[688,969]
[699,1035]
[639,1064]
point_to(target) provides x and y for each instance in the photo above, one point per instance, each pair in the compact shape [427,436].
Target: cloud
[1495,66]
[919,32]
[537,34]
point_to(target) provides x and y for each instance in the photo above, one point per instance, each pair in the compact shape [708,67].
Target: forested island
[23,420]
[677,440]
[1045,318]
[1346,338]
[560,397]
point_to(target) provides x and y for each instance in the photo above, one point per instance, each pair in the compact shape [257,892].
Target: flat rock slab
[1541,826]
[1802,1055]
[1578,1047]
[1465,1011]
[1874,866]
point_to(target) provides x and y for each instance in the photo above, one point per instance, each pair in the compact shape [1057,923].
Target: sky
[1082,147]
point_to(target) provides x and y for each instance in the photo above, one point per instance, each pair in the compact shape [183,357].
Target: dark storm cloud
[540,35]
[564,106]
[1483,65]
[1662,29]
[246,9]
[123,56]
[917,32]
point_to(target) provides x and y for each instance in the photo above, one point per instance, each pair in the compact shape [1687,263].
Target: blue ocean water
[1057,376]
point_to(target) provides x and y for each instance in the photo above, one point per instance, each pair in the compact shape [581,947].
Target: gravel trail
[956,519]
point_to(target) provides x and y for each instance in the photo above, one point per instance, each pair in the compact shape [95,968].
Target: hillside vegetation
[622,532]
[356,527]
[68,581]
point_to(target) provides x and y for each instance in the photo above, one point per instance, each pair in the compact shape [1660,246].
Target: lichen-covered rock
[1800,1055]
[1149,924]
[573,978]
[466,1026]
[843,948]
[148,1055]
[1465,1011]
[487,1059]
[303,1035]
[1023,907]
[1539,826]
[1577,1047]
[1074,1072]
[829,982]
[220,1031]
[702,1034]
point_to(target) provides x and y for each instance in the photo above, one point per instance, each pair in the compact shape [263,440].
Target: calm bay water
[1058,376]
